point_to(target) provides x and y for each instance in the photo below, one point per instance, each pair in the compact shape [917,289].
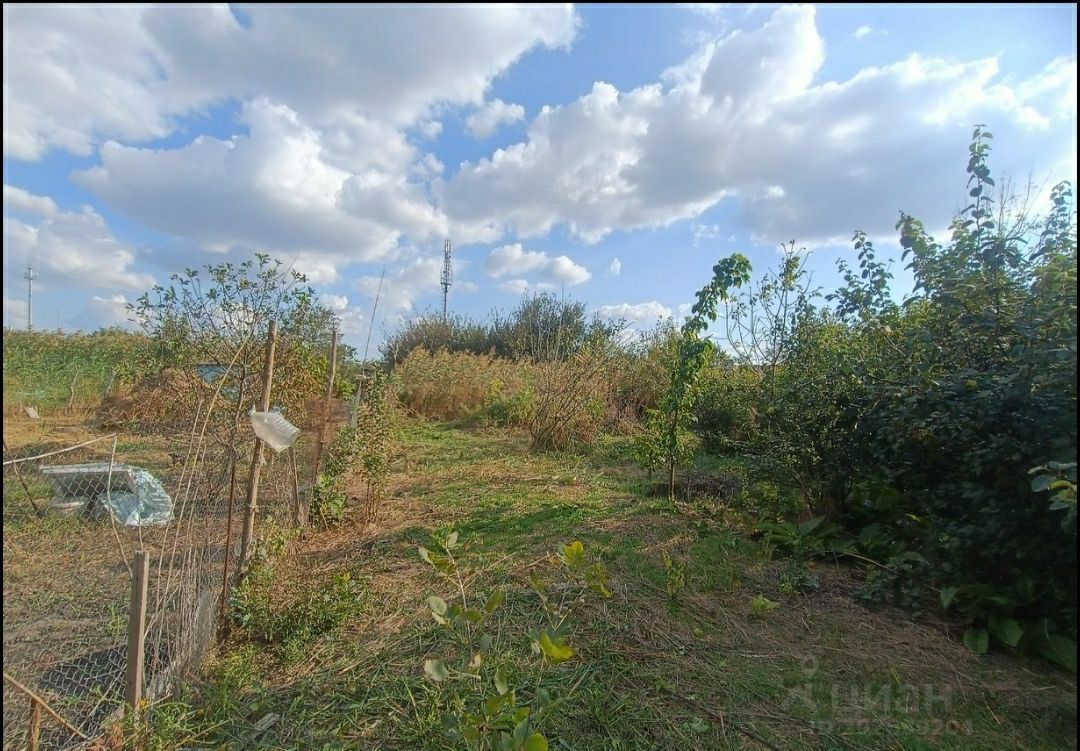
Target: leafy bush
[220,315]
[359,454]
[674,578]
[915,424]
[488,709]
[570,398]
[803,540]
[899,581]
[292,626]
[542,327]
[971,383]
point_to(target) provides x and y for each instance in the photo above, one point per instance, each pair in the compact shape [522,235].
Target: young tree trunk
[671,479]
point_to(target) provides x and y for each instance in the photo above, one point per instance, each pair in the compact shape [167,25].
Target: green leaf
[473,616]
[1058,648]
[1041,483]
[521,732]
[543,698]
[977,640]
[556,649]
[485,642]
[498,597]
[762,605]
[441,563]
[437,605]
[451,540]
[500,682]
[537,583]
[1006,630]
[947,596]
[493,704]
[536,742]
[596,580]
[436,670]
[573,555]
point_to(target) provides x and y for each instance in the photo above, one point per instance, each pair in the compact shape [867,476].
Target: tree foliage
[921,419]
[666,439]
[220,315]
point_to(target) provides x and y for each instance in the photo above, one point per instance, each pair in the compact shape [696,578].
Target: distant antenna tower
[29,275]
[447,277]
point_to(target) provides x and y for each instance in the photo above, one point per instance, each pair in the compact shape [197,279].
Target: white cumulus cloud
[67,248]
[486,120]
[745,120]
[514,260]
[75,75]
[645,312]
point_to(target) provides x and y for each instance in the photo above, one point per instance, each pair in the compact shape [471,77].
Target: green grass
[818,672]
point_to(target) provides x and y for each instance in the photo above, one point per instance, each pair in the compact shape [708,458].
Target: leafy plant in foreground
[1060,477]
[674,578]
[488,710]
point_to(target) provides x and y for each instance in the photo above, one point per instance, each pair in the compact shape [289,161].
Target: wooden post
[257,454]
[25,487]
[319,444]
[35,723]
[136,647]
[41,703]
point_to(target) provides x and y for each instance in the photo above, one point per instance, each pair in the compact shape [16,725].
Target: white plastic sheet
[277,432]
[150,504]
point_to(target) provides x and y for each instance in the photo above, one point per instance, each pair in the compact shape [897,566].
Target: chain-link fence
[73,519]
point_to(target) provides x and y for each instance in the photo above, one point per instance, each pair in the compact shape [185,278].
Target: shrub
[457,385]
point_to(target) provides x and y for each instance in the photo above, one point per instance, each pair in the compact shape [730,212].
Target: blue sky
[610,153]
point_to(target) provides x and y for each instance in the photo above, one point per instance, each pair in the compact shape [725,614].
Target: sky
[611,154]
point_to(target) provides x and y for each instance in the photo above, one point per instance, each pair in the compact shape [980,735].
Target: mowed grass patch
[699,670]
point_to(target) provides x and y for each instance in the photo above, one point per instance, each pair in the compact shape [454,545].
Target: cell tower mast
[29,275]
[447,277]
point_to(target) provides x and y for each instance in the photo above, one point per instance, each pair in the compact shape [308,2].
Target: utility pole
[29,275]
[447,277]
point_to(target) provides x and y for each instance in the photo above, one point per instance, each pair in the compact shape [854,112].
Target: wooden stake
[136,648]
[257,454]
[18,475]
[35,723]
[41,702]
